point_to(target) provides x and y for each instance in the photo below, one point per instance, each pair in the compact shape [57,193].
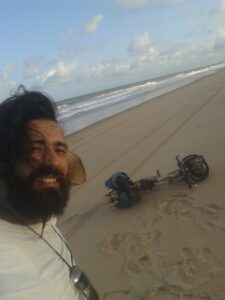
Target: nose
[50,158]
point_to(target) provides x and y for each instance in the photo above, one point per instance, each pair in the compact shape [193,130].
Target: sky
[68,48]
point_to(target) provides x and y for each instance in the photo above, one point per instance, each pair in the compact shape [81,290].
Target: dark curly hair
[15,113]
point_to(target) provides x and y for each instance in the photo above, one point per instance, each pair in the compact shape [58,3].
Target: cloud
[58,73]
[178,57]
[62,73]
[142,62]
[188,56]
[140,44]
[102,70]
[31,67]
[93,23]
[139,4]
[221,33]
[219,44]
[6,84]
[220,8]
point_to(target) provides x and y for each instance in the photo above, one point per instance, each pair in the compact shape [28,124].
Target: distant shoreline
[141,104]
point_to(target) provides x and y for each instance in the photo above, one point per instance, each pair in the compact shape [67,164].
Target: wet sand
[171,244]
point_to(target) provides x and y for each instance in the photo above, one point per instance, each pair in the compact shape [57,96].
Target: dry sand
[170,245]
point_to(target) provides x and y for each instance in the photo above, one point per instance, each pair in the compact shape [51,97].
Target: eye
[37,149]
[61,151]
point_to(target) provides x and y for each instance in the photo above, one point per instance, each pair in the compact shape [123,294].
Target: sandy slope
[171,244]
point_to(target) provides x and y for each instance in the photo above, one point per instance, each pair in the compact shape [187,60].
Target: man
[36,173]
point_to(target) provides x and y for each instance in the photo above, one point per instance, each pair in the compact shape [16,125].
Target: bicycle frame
[180,173]
[183,172]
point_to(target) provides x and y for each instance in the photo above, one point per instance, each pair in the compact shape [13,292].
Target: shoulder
[10,244]
[13,243]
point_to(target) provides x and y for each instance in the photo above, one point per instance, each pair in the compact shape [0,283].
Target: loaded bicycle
[124,192]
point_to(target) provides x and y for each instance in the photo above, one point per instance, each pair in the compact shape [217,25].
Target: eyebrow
[62,144]
[58,143]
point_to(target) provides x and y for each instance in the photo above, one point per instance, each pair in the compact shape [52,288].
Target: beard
[37,203]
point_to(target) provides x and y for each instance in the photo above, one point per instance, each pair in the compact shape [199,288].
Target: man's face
[39,186]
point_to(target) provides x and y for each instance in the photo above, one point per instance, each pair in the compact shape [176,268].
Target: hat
[77,173]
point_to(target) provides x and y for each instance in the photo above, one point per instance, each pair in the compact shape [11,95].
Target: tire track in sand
[135,144]
[142,163]
[92,210]
[86,215]
[91,135]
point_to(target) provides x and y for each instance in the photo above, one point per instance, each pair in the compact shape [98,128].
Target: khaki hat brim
[77,173]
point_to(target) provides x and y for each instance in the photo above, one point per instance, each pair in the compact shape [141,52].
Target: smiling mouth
[46,181]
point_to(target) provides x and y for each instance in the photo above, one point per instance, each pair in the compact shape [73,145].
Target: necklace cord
[66,244]
[56,252]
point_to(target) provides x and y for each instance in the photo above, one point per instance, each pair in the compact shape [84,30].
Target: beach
[170,245]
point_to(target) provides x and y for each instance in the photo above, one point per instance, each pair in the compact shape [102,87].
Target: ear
[77,173]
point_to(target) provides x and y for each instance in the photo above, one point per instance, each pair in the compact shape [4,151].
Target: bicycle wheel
[197,167]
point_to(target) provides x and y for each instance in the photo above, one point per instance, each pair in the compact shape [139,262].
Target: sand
[171,244]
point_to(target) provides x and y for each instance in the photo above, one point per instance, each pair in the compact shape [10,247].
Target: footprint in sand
[207,260]
[189,263]
[180,206]
[199,264]
[173,292]
[205,254]
[162,204]
[118,242]
[214,208]
[183,195]
[117,295]
[147,220]
[153,221]
[211,210]
[140,253]
[212,217]
[147,256]
[186,253]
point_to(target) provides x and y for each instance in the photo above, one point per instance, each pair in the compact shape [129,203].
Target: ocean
[80,112]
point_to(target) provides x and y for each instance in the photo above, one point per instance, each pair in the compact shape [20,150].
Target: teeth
[49,180]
